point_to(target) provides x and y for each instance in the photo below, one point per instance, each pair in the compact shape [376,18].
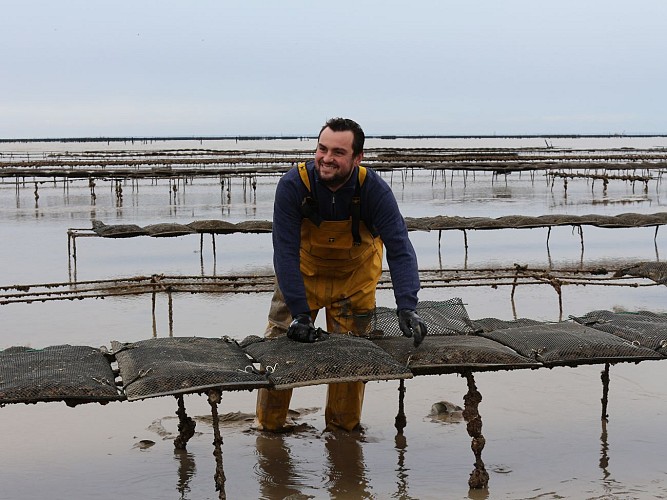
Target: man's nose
[328,156]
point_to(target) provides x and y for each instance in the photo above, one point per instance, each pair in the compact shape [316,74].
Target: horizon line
[259,137]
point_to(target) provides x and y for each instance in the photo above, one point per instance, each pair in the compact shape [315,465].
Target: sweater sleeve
[400,254]
[286,236]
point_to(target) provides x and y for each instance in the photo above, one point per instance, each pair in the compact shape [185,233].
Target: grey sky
[159,68]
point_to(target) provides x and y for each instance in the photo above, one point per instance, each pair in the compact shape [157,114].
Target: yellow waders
[340,277]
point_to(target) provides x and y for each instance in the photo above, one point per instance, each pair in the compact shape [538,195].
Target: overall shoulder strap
[362,175]
[355,208]
[309,204]
[303,173]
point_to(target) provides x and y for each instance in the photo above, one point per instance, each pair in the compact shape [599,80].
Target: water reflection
[347,470]
[604,457]
[277,474]
[186,471]
[282,475]
[401,445]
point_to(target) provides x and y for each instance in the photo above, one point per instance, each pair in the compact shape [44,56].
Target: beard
[334,178]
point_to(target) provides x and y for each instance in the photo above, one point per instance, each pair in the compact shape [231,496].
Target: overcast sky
[97,68]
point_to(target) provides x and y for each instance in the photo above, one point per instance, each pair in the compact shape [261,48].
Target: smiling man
[336,157]
[332,218]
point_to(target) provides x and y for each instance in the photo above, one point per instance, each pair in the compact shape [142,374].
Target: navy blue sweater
[379,209]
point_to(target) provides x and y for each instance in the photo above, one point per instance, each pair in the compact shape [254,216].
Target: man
[331,218]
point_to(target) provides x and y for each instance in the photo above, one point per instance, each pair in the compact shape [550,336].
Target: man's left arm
[402,261]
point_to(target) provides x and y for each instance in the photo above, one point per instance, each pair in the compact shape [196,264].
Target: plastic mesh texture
[168,229]
[642,328]
[74,374]
[339,358]
[490,324]
[117,230]
[450,345]
[440,354]
[441,317]
[213,226]
[569,343]
[180,365]
[524,221]
[656,271]
[254,226]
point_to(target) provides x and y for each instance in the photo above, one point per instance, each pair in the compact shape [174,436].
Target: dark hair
[344,124]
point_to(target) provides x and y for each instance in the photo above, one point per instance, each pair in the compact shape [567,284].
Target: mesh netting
[74,374]
[254,226]
[569,343]
[442,222]
[441,317]
[213,226]
[180,365]
[441,354]
[643,328]
[117,230]
[656,271]
[339,358]
[168,229]
[490,324]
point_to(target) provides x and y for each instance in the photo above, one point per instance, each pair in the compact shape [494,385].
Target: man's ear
[358,158]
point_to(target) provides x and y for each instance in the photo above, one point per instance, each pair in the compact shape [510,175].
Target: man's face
[334,159]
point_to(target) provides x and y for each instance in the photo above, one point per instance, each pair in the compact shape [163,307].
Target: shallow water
[544,435]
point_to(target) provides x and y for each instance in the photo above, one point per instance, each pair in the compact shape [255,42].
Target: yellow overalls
[341,277]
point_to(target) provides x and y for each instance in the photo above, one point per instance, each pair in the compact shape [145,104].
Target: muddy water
[544,435]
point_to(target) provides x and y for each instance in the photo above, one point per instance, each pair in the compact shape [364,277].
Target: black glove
[302,329]
[412,325]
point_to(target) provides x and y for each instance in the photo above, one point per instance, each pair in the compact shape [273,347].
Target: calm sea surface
[544,435]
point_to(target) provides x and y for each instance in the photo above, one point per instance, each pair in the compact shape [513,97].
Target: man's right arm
[286,236]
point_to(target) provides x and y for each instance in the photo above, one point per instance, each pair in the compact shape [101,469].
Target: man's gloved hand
[302,329]
[412,325]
